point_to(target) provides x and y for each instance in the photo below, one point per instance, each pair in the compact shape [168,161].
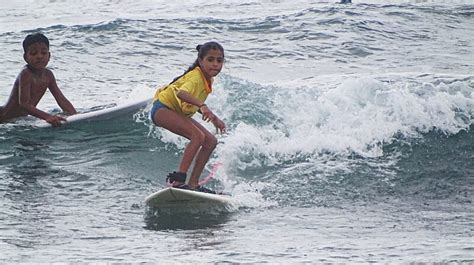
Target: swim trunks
[156,106]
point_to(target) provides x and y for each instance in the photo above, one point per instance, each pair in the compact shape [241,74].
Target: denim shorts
[156,106]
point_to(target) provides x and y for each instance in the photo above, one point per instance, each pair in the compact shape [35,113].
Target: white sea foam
[140,92]
[357,116]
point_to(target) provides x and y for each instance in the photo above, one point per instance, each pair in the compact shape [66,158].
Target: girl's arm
[207,114]
[186,97]
[220,125]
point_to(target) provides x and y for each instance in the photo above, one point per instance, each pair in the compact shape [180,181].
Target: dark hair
[203,50]
[35,38]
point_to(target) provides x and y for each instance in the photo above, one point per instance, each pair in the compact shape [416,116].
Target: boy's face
[37,55]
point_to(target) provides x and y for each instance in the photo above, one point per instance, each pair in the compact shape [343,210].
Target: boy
[32,82]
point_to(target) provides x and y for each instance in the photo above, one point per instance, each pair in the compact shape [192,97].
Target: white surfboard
[173,197]
[103,114]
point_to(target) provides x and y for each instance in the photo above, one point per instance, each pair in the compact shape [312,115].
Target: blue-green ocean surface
[351,136]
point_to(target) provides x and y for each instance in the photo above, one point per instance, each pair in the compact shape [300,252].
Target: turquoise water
[350,133]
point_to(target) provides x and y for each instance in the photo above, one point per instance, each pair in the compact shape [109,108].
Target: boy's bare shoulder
[49,72]
[25,74]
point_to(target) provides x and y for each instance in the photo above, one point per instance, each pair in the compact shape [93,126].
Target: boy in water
[32,82]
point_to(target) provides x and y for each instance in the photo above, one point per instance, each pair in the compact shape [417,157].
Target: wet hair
[34,38]
[203,50]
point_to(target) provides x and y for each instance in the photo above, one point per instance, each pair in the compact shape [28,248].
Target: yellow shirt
[194,83]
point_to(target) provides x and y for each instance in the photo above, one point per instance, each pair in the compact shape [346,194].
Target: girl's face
[212,63]
[37,55]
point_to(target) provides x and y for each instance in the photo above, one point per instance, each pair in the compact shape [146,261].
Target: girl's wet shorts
[156,106]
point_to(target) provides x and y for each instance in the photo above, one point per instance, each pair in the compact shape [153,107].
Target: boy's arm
[62,101]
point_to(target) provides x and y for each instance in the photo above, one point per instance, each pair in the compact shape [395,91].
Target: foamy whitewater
[350,133]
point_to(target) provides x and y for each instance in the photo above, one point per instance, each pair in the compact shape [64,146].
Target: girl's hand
[55,120]
[220,125]
[207,114]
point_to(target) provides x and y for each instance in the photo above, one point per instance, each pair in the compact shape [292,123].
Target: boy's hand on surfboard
[55,120]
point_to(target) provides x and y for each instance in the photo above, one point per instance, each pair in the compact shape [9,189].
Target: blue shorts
[156,106]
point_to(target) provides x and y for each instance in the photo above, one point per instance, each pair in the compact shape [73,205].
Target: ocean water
[350,133]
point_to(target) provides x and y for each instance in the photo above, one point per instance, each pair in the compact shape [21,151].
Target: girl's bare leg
[185,127]
[203,155]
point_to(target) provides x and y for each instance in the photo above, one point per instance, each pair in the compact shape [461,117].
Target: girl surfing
[175,104]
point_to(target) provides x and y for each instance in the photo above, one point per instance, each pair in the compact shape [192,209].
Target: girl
[174,104]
